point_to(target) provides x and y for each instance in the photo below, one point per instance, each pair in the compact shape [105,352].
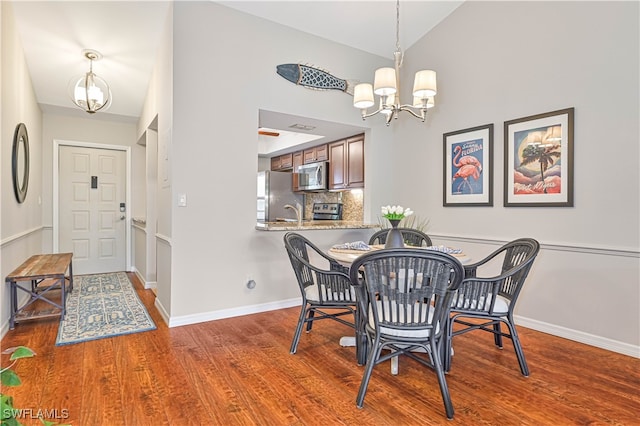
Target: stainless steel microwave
[313,176]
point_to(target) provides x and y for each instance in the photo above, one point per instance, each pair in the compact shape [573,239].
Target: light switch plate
[182,200]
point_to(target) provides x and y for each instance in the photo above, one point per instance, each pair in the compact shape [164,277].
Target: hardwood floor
[238,371]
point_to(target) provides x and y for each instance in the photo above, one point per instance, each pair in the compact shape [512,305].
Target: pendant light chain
[387,87]
[399,53]
[398,25]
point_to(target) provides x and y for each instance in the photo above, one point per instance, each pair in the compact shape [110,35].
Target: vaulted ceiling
[127,33]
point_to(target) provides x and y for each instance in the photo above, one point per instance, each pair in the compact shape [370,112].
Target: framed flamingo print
[538,160]
[468,172]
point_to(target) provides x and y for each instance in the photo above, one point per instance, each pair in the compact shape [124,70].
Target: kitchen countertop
[314,224]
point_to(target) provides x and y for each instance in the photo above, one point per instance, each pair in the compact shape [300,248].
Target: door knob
[122,217]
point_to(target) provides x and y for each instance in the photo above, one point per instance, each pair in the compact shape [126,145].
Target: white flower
[396,212]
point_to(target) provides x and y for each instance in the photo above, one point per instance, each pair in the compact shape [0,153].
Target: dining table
[346,256]
[346,253]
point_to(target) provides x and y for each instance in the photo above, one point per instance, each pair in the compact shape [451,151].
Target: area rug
[100,306]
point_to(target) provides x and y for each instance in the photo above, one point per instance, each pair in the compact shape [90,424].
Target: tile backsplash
[352,203]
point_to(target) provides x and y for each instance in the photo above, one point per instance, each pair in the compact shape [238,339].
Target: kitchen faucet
[298,210]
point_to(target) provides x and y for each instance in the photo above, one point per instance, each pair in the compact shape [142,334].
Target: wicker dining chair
[321,287]
[411,237]
[492,300]
[404,296]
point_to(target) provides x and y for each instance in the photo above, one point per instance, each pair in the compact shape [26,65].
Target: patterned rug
[102,305]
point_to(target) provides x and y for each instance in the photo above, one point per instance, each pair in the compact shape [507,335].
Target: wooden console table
[45,272]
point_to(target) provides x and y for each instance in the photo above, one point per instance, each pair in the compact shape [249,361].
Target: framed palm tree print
[538,160]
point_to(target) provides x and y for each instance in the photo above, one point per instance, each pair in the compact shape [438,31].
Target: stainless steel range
[327,211]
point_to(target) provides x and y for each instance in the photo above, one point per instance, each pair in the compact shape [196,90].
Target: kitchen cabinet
[346,163]
[282,162]
[298,159]
[275,163]
[316,153]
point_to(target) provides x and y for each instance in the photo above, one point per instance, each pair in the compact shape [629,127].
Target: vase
[394,237]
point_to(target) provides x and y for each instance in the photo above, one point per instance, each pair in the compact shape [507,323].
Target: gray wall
[499,61]
[495,62]
[20,224]
[214,246]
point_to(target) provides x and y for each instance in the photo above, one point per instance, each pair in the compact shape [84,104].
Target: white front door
[92,210]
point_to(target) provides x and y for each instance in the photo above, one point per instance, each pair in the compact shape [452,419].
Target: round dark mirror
[20,162]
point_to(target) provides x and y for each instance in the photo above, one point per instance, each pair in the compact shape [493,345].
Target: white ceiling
[127,33]
[54,33]
[364,24]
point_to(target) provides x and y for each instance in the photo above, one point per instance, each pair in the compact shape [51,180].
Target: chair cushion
[418,333]
[501,306]
[311,293]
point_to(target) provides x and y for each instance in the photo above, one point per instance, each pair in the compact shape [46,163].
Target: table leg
[70,276]
[14,305]
[63,292]
[394,365]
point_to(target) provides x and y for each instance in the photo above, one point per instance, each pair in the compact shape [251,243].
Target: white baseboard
[146,284]
[4,329]
[162,310]
[233,312]
[579,336]
[150,285]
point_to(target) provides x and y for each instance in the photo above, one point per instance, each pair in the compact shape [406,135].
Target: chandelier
[90,92]
[387,86]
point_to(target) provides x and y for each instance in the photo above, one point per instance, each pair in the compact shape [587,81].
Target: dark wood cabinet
[322,153]
[297,161]
[286,161]
[317,153]
[282,162]
[355,162]
[337,175]
[275,163]
[346,163]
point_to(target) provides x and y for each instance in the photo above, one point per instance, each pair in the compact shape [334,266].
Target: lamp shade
[363,96]
[424,84]
[391,100]
[384,82]
[418,102]
[431,102]
[88,91]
